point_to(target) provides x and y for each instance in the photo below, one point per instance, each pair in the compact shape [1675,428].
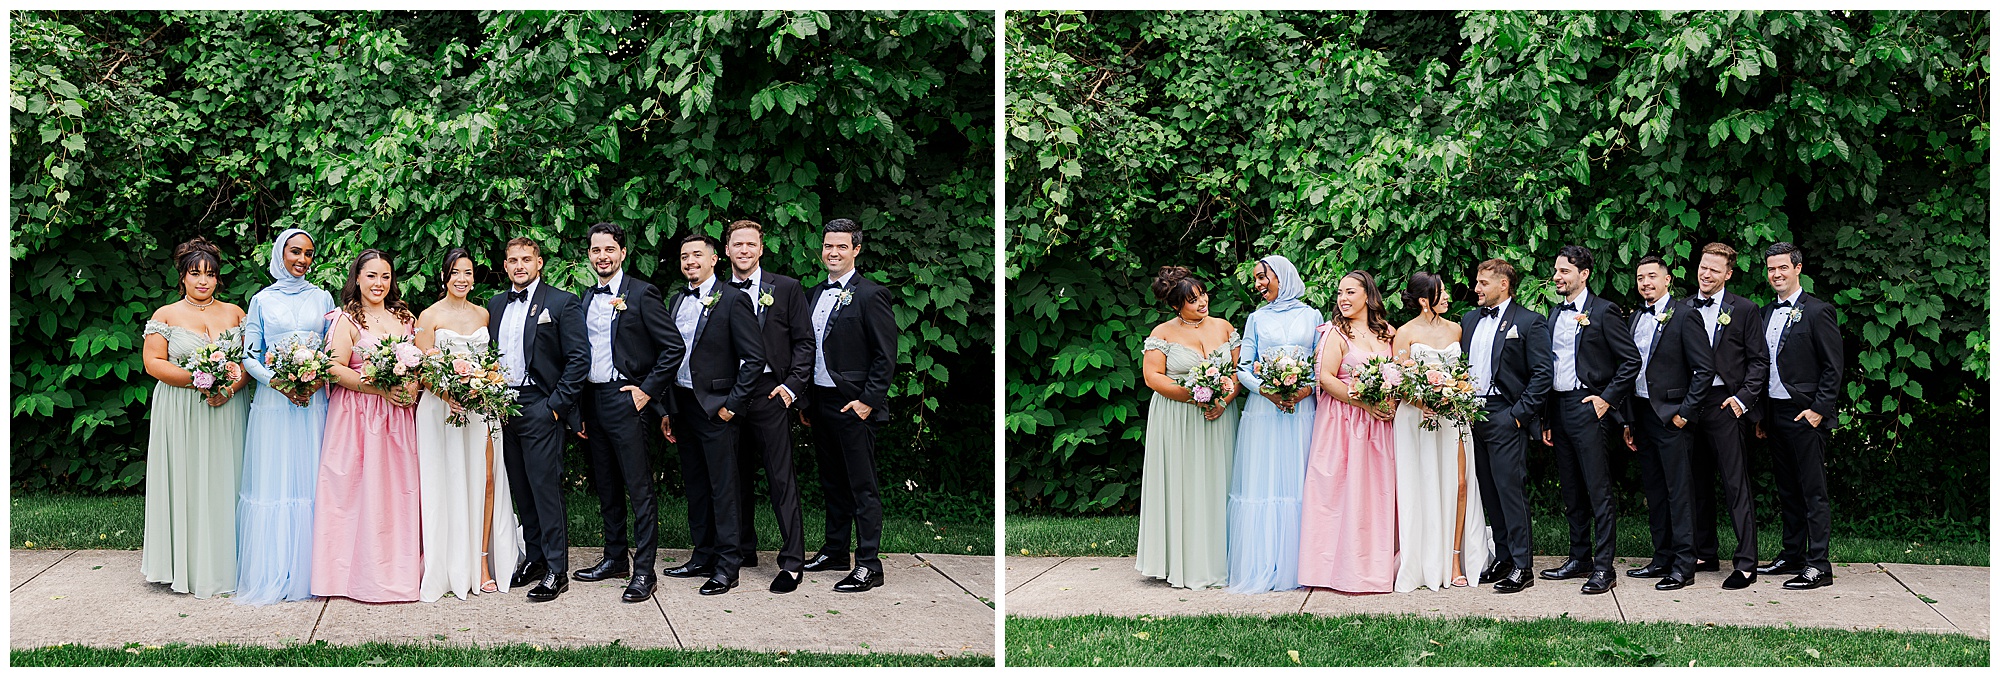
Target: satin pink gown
[1348,529]
[367,523]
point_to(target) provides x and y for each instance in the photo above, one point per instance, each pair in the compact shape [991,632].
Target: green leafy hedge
[1405,141]
[416,131]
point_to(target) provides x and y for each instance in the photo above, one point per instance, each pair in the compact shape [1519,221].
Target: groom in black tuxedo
[1674,373]
[545,356]
[852,366]
[1595,362]
[785,324]
[634,348]
[1800,408]
[1735,329]
[725,357]
[1508,348]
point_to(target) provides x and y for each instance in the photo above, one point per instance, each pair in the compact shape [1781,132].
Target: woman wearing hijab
[281,447]
[1350,496]
[1273,438]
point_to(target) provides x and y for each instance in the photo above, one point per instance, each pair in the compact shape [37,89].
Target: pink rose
[1291,379]
[1203,394]
[461,367]
[408,356]
[1391,376]
[1212,371]
[1435,377]
[203,380]
[401,370]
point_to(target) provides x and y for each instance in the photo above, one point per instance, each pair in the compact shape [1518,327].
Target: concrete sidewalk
[928,604]
[1903,597]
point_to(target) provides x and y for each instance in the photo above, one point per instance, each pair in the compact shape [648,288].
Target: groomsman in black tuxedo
[634,348]
[1508,348]
[1674,372]
[1735,329]
[784,321]
[545,356]
[725,357]
[1595,362]
[852,365]
[1803,389]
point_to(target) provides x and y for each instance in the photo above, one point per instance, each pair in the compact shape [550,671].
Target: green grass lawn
[1118,537]
[321,654]
[62,522]
[1409,640]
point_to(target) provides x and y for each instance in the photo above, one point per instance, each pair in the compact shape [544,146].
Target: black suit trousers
[1718,449]
[533,455]
[1584,471]
[1501,466]
[845,448]
[765,439]
[1664,470]
[707,448]
[620,467]
[1799,459]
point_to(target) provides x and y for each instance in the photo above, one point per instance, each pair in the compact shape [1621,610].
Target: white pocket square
[544,319]
[1513,332]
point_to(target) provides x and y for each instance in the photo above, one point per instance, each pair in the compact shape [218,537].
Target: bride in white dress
[1440,526]
[471,538]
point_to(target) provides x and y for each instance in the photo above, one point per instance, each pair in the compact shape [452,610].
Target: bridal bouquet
[1445,389]
[1377,381]
[299,366]
[391,363]
[1283,375]
[1205,381]
[474,381]
[209,364]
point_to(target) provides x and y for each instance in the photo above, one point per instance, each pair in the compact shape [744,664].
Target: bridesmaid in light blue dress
[281,447]
[1271,445]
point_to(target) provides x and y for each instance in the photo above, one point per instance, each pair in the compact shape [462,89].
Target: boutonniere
[617,304]
[1723,317]
[1667,315]
[709,301]
[846,297]
[766,300]
[1798,313]
[1583,319]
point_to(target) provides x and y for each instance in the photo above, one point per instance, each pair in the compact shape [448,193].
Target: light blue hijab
[1290,287]
[286,282]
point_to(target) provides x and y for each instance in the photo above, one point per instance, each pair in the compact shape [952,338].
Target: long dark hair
[1424,286]
[1378,316]
[444,278]
[350,293]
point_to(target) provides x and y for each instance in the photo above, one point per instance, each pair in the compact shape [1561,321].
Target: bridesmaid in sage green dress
[1184,486]
[196,447]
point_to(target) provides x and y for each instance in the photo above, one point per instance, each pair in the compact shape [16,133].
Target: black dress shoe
[715,587]
[1571,568]
[1707,565]
[1516,580]
[1809,578]
[1651,570]
[1496,572]
[1781,567]
[786,581]
[527,573]
[691,570]
[639,590]
[1671,582]
[822,562]
[1600,582]
[1739,580]
[861,579]
[603,569]
[553,584]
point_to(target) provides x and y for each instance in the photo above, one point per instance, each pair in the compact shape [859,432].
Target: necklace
[1196,324]
[197,306]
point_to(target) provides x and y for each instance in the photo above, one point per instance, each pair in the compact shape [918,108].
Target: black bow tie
[1571,307]
[829,284]
[1702,303]
[601,289]
[1646,309]
[1783,304]
[742,284]
[513,296]
[1489,312]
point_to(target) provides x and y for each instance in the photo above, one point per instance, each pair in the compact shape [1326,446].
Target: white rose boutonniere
[846,297]
[617,304]
[1723,317]
[709,301]
[1667,315]
[766,300]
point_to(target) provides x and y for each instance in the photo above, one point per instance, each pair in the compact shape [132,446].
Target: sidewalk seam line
[670,622]
[961,586]
[38,574]
[1303,602]
[1920,599]
[1618,604]
[310,636]
[1031,579]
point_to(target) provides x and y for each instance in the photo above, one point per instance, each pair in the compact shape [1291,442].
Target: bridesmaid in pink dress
[1348,539]
[367,538]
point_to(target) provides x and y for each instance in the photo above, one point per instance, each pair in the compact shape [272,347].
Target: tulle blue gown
[280,454]
[1271,450]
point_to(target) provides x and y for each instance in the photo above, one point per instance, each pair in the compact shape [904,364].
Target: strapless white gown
[1427,471]
[462,479]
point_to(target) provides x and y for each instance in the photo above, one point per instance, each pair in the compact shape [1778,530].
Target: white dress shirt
[822,313]
[1644,326]
[1711,320]
[1563,341]
[513,323]
[686,316]
[597,323]
[1483,335]
[756,292]
[1774,330]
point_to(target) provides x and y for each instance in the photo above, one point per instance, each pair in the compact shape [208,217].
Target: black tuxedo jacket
[787,330]
[725,355]
[558,351]
[646,347]
[1808,354]
[1740,357]
[1523,365]
[1606,358]
[860,345]
[1681,367]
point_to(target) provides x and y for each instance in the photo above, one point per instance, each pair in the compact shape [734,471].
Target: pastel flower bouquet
[1444,390]
[391,363]
[209,364]
[474,381]
[1207,380]
[1376,381]
[299,367]
[1284,375]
